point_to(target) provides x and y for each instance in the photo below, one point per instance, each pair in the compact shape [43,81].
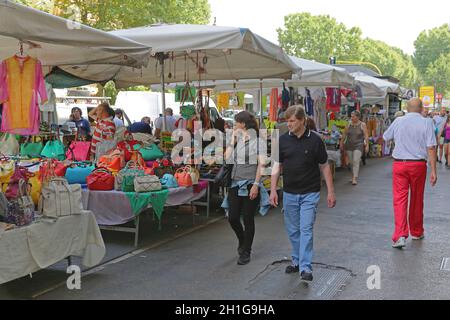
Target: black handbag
[223,177]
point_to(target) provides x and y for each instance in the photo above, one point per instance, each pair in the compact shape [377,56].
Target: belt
[410,160]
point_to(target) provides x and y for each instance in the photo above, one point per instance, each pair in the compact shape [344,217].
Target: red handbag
[100,180]
[52,168]
[127,147]
[20,173]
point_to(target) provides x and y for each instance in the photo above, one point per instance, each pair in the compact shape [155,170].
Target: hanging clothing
[273,112]
[223,101]
[333,99]
[48,109]
[21,81]
[309,103]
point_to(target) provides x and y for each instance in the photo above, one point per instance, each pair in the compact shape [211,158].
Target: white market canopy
[313,74]
[196,52]
[374,90]
[57,41]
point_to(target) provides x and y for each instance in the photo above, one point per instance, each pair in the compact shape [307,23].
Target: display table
[37,246]
[112,208]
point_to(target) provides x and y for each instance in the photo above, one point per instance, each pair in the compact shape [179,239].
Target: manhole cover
[445,265]
[275,283]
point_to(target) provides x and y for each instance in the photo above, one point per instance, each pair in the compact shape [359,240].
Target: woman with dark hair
[355,140]
[83,125]
[244,194]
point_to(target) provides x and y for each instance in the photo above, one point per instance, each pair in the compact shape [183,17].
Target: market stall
[47,241]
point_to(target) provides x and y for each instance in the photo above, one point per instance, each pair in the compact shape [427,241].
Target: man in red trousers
[415,145]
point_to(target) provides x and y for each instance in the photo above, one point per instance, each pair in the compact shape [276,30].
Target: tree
[391,61]
[124,14]
[438,73]
[430,45]
[319,38]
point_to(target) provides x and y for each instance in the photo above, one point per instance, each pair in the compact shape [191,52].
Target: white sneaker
[418,238]
[401,243]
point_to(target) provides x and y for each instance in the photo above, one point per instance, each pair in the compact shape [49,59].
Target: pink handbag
[78,151]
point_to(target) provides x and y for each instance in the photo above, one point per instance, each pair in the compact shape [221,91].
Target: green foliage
[438,72]
[430,45]
[318,38]
[124,14]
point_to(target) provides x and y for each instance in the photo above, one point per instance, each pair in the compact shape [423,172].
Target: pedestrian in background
[415,144]
[445,134]
[440,121]
[355,141]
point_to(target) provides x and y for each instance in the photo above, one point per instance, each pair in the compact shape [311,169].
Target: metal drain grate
[274,283]
[445,265]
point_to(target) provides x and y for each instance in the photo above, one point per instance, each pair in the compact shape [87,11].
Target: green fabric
[187,111]
[31,149]
[264,103]
[140,201]
[241,99]
[59,79]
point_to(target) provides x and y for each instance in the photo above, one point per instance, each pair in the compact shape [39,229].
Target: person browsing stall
[82,124]
[105,127]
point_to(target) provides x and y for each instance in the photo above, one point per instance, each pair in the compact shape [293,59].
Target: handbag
[183,177]
[31,149]
[6,169]
[9,145]
[104,147]
[113,161]
[128,173]
[21,209]
[150,152]
[58,198]
[54,149]
[168,181]
[101,180]
[36,187]
[20,173]
[147,184]
[78,172]
[51,168]
[78,151]
[223,177]
[195,174]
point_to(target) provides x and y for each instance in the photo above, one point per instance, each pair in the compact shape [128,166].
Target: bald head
[415,105]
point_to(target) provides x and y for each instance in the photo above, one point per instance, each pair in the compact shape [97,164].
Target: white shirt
[170,123]
[440,121]
[118,123]
[413,135]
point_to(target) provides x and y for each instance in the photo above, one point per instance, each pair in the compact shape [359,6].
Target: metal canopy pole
[261,118]
[161,57]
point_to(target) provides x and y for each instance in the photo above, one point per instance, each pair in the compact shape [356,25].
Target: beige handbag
[9,146]
[7,168]
[195,174]
[147,184]
[59,199]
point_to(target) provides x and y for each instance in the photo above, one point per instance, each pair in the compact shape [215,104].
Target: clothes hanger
[20,54]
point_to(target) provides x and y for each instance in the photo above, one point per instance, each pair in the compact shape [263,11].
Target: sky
[396,22]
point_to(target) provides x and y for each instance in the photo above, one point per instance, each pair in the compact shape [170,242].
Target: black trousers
[243,206]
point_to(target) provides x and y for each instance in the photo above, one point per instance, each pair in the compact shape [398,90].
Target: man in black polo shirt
[302,154]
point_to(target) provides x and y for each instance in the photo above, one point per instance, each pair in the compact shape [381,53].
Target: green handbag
[31,149]
[126,176]
[149,153]
[54,149]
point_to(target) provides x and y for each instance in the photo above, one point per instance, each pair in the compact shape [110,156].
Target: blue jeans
[299,216]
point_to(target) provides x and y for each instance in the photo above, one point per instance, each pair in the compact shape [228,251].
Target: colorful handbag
[9,145]
[101,180]
[6,169]
[183,177]
[51,168]
[21,209]
[195,174]
[125,177]
[78,172]
[150,152]
[113,161]
[36,187]
[20,173]
[31,149]
[168,181]
[78,151]
[147,184]
[54,149]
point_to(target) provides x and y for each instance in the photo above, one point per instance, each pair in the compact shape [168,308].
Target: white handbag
[147,184]
[9,146]
[59,199]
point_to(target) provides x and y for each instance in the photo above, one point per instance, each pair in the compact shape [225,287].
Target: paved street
[348,239]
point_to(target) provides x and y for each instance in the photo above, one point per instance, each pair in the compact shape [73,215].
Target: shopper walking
[444,133]
[302,154]
[244,194]
[415,144]
[355,141]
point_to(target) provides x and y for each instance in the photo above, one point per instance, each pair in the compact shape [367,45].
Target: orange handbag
[183,177]
[136,156]
[114,161]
